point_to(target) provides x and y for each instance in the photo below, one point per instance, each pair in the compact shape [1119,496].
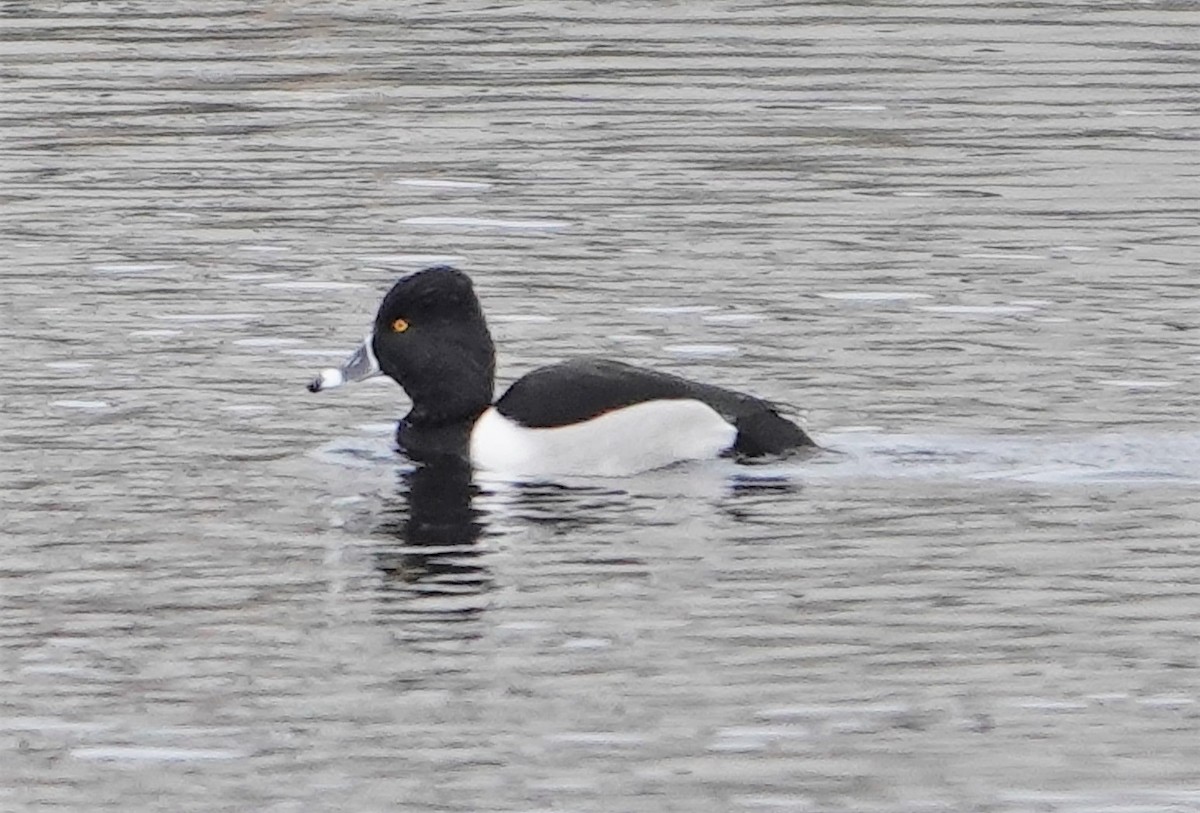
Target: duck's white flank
[629,440]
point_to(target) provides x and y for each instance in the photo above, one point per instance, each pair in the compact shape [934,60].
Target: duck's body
[588,416]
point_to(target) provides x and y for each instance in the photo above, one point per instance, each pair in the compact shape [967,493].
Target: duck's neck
[433,413]
[453,388]
[445,408]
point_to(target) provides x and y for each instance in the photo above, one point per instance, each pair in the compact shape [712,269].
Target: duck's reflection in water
[433,536]
[432,562]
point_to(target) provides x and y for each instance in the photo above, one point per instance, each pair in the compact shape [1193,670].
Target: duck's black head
[431,338]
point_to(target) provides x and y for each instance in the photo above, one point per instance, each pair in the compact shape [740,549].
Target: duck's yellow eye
[400,326]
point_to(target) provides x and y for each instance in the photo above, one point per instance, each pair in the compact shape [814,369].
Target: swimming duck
[582,417]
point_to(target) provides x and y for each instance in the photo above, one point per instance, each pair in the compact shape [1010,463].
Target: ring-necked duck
[587,416]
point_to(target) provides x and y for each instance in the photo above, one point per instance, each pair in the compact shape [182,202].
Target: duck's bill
[361,365]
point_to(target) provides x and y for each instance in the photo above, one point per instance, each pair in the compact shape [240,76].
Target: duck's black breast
[435,444]
[582,389]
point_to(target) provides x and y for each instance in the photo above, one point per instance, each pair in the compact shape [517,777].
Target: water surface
[960,239]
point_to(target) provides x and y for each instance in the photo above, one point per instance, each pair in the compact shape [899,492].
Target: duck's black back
[582,389]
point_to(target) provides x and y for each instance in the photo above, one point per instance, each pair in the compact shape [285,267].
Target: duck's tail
[764,432]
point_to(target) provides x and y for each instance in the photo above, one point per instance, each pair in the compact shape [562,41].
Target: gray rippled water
[960,238]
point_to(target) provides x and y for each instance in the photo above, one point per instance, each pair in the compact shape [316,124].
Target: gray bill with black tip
[361,365]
